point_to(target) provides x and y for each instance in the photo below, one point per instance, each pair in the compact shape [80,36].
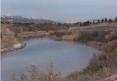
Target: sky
[60,10]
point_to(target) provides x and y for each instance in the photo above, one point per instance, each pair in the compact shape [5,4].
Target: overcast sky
[61,10]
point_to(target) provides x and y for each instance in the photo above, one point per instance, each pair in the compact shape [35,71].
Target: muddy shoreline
[21,46]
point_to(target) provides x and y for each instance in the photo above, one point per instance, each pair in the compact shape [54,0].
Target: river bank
[9,41]
[94,35]
[19,45]
[95,39]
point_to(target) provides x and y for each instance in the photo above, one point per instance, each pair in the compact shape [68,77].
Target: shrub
[116,19]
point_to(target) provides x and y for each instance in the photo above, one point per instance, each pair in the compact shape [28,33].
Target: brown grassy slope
[7,36]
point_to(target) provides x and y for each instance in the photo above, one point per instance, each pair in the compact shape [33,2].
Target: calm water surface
[66,57]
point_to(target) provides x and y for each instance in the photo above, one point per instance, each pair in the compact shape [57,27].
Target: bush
[93,36]
[116,19]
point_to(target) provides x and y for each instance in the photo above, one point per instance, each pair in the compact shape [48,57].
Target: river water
[66,57]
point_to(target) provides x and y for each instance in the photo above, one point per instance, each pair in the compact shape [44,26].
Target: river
[66,57]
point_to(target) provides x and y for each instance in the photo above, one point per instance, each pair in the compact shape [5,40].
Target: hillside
[8,38]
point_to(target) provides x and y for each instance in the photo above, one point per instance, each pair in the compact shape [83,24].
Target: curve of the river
[66,57]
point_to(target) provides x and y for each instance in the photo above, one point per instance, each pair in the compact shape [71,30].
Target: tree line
[98,21]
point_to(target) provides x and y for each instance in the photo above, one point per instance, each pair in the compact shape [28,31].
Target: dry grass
[34,74]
